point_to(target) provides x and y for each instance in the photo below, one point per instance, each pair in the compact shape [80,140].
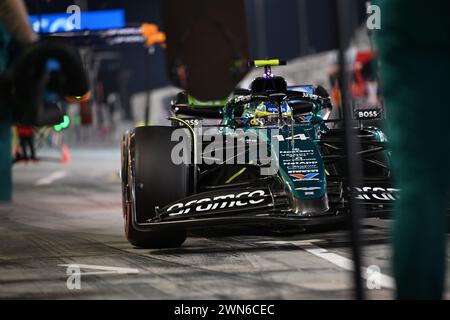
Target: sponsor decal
[311,96]
[192,122]
[309,176]
[306,118]
[248,99]
[242,121]
[229,201]
[309,189]
[377,194]
[300,136]
[368,114]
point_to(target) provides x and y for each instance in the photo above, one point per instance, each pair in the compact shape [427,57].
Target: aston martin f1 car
[266,156]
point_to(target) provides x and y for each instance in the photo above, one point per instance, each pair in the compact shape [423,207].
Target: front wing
[267,205]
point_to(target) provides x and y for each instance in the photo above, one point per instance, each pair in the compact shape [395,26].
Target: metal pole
[353,165]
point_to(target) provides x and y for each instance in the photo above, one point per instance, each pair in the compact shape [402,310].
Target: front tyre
[153,180]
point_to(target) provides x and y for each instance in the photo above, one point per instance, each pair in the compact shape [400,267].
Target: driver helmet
[267,109]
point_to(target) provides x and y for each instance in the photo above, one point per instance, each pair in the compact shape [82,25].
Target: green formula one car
[266,156]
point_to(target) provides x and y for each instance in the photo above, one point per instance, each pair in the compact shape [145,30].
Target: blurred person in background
[414,48]
[13,24]
[26,138]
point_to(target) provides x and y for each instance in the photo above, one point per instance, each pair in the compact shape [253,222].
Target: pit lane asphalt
[71,215]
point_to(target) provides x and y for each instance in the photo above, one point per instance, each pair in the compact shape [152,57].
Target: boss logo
[220,202]
[193,122]
[368,114]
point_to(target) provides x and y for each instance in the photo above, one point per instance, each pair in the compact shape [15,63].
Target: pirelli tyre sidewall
[124,171]
[154,181]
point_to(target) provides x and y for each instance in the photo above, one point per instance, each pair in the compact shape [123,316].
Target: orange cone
[65,154]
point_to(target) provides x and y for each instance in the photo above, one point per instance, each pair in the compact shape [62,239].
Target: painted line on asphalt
[51,178]
[101,270]
[338,260]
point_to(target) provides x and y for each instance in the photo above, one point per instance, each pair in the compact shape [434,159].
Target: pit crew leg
[5,133]
[5,157]
[415,61]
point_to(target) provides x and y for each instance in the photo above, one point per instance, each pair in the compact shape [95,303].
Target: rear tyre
[153,180]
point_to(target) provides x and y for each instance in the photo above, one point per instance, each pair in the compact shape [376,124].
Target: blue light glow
[90,20]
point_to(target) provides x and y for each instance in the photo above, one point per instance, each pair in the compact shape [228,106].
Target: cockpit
[267,114]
